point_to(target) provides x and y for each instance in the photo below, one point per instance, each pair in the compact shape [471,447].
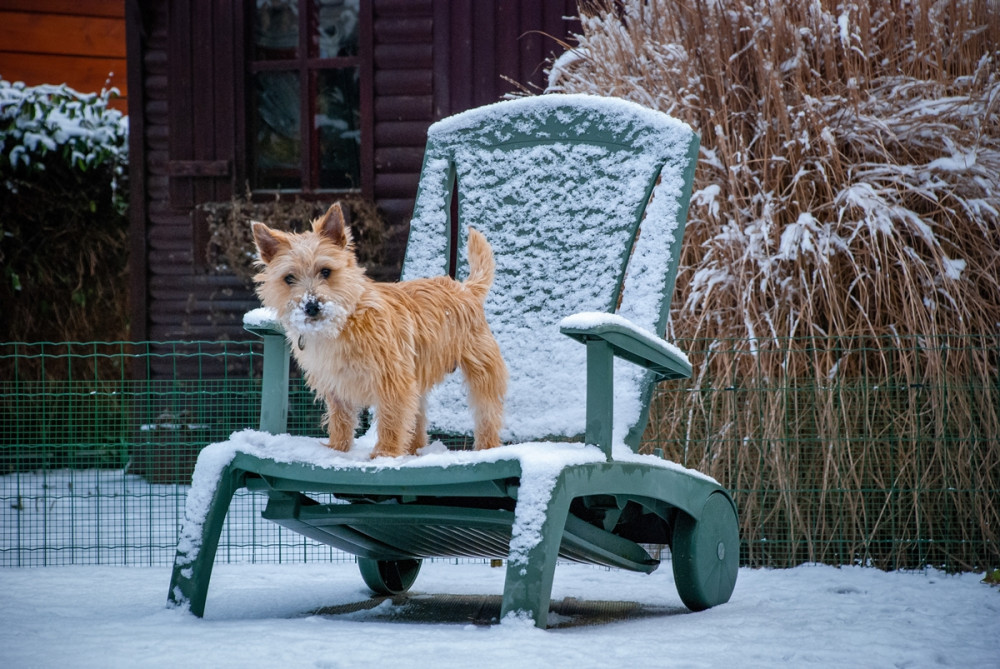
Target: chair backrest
[583,200]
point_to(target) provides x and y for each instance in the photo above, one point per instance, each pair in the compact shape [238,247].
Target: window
[305,130]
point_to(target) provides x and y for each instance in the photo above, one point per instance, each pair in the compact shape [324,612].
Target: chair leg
[528,586]
[191,576]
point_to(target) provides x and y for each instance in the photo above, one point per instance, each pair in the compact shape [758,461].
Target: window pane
[277,141]
[276,29]
[338,126]
[336,28]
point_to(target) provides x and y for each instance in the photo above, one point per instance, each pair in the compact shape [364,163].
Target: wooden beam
[87,75]
[23,32]
[109,8]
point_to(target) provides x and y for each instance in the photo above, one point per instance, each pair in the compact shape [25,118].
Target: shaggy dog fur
[363,343]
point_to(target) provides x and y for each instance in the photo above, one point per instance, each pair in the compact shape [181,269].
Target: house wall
[80,44]
[431,58]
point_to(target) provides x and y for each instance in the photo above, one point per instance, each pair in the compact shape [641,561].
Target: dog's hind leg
[419,439]
[486,375]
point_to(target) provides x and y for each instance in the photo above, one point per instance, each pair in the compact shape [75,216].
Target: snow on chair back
[559,185]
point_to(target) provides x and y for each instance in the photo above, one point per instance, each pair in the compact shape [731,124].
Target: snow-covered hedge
[63,222]
[39,122]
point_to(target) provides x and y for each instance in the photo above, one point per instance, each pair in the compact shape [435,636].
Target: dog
[362,343]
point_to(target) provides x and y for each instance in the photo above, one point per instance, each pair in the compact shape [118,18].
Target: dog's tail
[481,265]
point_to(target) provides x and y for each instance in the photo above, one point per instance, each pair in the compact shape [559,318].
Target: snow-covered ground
[289,615]
[320,614]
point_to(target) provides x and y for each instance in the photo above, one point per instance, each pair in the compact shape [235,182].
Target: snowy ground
[311,615]
[321,615]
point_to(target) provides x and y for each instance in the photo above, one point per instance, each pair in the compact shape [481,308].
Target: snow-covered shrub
[80,128]
[845,229]
[63,224]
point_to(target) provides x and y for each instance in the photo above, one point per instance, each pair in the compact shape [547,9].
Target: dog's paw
[486,441]
[342,446]
[381,451]
[485,446]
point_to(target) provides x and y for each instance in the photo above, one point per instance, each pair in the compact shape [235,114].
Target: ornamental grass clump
[840,281]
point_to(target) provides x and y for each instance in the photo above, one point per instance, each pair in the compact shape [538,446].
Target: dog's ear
[333,225]
[268,241]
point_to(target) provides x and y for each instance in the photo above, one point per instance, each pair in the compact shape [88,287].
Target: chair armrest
[606,336]
[274,375]
[263,321]
[628,341]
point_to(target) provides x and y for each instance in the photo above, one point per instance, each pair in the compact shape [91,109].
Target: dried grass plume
[839,289]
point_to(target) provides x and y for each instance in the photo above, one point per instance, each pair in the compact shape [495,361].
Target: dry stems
[231,246]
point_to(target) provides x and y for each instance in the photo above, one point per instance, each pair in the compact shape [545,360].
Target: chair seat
[390,531]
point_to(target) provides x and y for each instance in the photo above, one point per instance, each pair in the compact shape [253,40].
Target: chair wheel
[389,577]
[706,554]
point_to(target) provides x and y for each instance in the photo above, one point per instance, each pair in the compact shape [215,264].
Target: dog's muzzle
[312,315]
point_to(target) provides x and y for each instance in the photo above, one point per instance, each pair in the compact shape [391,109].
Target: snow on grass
[811,189]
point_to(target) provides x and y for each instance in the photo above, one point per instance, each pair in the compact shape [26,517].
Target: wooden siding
[80,44]
[429,59]
[434,58]
[403,109]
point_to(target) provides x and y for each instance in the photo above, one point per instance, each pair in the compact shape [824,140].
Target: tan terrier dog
[362,343]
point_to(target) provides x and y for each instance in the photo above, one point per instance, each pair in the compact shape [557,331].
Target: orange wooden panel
[87,75]
[112,8]
[62,34]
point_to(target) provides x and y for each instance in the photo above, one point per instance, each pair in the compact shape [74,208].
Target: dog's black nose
[312,308]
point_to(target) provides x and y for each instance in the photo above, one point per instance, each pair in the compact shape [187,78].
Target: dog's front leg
[397,416]
[341,421]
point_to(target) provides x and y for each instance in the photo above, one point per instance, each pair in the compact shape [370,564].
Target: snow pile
[560,215]
[587,320]
[261,317]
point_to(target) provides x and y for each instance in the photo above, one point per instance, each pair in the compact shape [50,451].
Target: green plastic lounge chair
[583,200]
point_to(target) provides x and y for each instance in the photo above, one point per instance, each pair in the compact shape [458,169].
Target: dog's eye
[289,279]
[325,272]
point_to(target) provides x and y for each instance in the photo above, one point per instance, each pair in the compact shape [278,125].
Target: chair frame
[599,509]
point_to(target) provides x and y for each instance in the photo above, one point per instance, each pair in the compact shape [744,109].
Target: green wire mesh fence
[98,442]
[876,451]
[845,451]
